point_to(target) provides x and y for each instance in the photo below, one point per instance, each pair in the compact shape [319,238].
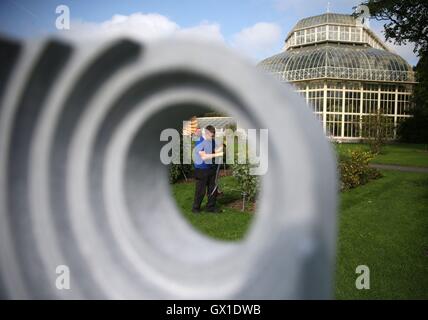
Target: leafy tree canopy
[406,21]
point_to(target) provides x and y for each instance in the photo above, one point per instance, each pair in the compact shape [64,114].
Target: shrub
[355,171]
[178,172]
[248,184]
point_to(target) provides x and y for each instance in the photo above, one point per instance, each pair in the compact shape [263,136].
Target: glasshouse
[346,73]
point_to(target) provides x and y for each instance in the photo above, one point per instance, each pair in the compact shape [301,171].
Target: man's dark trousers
[205,184]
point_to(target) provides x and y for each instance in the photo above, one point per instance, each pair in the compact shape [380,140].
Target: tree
[415,129]
[377,128]
[248,184]
[407,21]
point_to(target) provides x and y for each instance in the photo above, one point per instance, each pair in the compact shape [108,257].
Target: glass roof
[332,27]
[338,61]
[326,18]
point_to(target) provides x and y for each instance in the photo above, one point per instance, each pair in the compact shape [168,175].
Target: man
[205,170]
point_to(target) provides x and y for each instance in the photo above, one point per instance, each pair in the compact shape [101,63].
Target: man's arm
[219,149]
[207,156]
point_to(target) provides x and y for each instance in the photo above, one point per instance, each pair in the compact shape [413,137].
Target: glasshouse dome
[346,73]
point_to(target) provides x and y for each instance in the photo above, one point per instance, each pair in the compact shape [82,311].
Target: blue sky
[256,28]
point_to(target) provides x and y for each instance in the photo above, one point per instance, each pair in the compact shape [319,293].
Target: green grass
[383,225]
[400,154]
[229,225]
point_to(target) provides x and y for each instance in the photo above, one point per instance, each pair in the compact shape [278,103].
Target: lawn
[400,154]
[383,225]
[231,224]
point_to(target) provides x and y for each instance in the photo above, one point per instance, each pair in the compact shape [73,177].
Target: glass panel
[334,125]
[403,104]
[334,101]
[352,126]
[300,35]
[316,99]
[387,103]
[370,102]
[352,101]
[322,33]
[355,34]
[344,33]
[333,33]
[310,35]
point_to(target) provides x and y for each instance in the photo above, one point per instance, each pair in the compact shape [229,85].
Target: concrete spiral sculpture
[81,183]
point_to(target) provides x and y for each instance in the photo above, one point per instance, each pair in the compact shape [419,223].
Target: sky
[255,29]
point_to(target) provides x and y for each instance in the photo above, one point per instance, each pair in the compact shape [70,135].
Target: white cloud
[144,27]
[204,31]
[256,42]
[259,40]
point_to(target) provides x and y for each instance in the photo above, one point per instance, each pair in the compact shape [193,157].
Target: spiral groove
[82,184]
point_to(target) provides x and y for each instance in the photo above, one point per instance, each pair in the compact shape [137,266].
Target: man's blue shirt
[209,147]
[201,138]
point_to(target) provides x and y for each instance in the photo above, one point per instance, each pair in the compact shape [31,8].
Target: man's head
[210,132]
